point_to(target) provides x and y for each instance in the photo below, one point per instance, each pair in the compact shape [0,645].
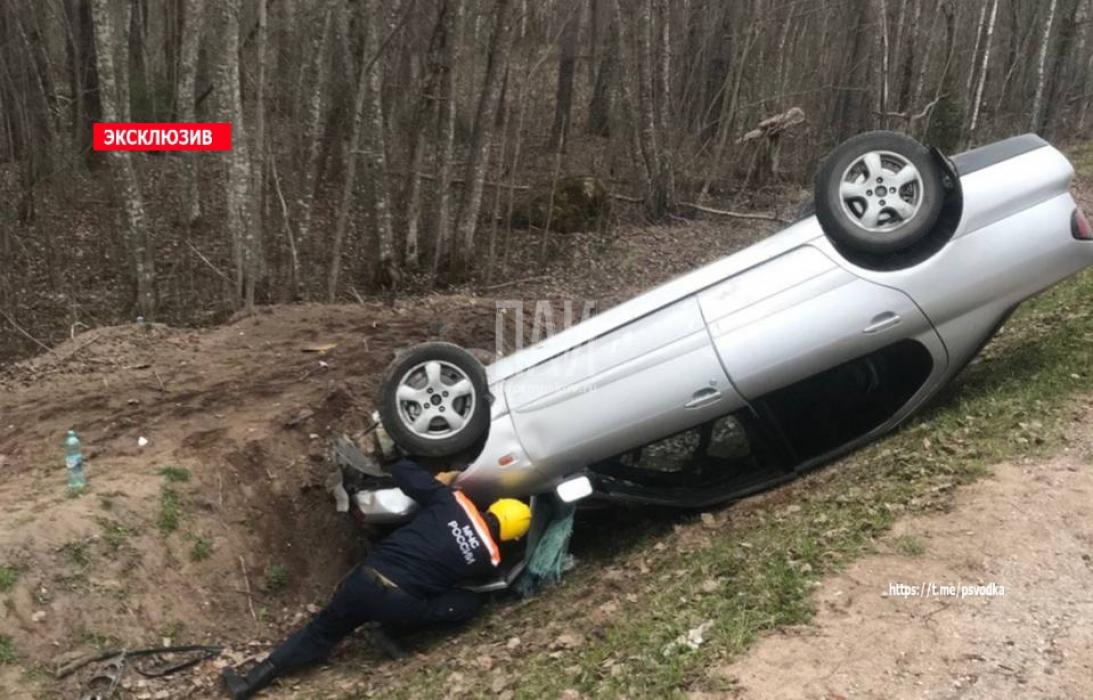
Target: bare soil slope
[236,421]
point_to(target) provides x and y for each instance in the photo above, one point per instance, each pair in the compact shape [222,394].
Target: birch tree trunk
[500,47]
[121,165]
[599,109]
[906,80]
[983,67]
[135,41]
[567,62]
[446,133]
[627,56]
[970,82]
[924,67]
[193,12]
[253,250]
[1083,111]
[655,204]
[1045,40]
[428,105]
[662,88]
[1058,77]
[84,78]
[350,181]
[386,270]
[313,133]
[882,41]
[238,159]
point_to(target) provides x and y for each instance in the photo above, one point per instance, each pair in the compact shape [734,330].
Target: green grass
[77,553]
[7,650]
[170,503]
[202,548]
[910,545]
[8,576]
[100,641]
[276,578]
[114,533]
[170,510]
[1017,401]
[175,474]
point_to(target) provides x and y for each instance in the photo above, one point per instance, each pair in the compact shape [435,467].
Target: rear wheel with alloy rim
[880,192]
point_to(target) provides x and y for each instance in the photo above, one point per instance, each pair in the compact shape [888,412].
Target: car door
[652,377]
[800,314]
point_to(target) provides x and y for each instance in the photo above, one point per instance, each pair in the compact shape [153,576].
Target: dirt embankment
[236,422]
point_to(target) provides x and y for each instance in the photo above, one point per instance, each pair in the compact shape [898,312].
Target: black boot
[241,688]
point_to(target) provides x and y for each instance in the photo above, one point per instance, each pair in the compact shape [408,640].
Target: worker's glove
[447,478]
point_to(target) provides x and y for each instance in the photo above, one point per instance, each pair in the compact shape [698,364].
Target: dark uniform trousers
[409,580]
[362,598]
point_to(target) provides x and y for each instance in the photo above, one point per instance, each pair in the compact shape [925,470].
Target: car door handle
[703,397]
[882,322]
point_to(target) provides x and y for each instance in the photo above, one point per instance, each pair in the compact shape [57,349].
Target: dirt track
[1027,528]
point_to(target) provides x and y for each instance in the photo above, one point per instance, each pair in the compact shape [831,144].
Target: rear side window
[826,411]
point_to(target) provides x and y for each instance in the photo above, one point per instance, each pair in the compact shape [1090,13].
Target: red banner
[177,136]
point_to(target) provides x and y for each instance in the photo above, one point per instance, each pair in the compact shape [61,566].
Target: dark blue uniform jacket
[447,542]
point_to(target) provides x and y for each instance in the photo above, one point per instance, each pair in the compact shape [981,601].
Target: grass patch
[202,548]
[170,510]
[8,576]
[77,553]
[98,640]
[175,474]
[7,650]
[909,545]
[276,578]
[114,533]
[1016,401]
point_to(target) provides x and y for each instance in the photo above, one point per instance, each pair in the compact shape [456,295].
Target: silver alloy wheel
[881,191]
[435,399]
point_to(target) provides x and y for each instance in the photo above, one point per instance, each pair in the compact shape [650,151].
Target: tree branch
[735,214]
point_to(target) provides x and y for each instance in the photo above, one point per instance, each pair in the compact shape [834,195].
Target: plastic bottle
[74,462]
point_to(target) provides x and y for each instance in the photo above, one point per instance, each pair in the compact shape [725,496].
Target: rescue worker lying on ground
[408,580]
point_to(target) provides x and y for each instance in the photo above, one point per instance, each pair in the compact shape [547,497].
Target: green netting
[553,520]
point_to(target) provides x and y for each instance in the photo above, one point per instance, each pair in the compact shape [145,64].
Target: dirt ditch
[231,476]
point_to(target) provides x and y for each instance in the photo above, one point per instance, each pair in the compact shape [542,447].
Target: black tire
[438,438]
[845,219]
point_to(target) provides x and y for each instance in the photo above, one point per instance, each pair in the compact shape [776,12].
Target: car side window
[826,411]
[717,452]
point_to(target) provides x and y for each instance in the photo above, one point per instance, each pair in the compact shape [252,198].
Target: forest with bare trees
[403,146]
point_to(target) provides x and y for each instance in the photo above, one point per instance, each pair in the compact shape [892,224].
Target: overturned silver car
[745,372]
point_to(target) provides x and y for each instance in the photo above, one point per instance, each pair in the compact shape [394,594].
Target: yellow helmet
[514,517]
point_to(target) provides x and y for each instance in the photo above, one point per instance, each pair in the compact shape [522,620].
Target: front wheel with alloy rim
[434,400]
[880,192]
